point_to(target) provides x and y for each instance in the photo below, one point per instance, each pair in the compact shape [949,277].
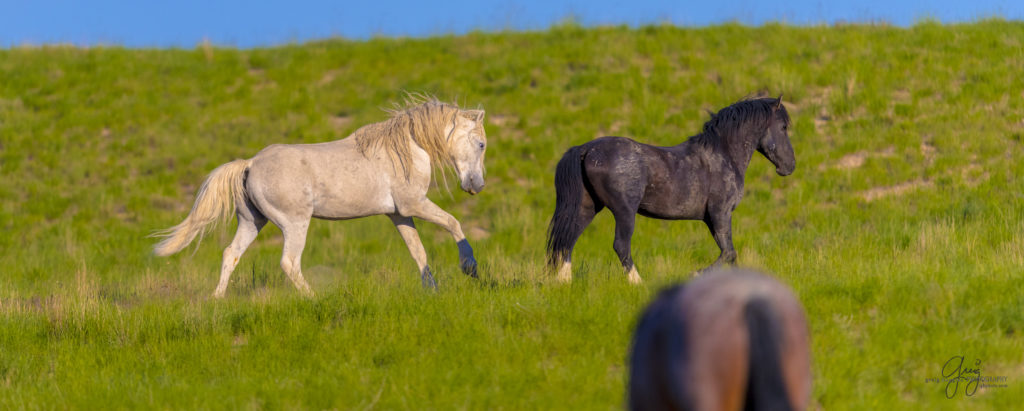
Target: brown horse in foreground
[727,340]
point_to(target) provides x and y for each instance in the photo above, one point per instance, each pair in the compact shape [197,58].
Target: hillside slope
[901,230]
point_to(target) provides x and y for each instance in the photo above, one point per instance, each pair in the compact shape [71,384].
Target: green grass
[901,230]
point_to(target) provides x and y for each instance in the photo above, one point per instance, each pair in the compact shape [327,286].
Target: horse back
[661,182]
[327,180]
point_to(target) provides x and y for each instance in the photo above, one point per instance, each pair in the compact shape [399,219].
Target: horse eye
[481,145]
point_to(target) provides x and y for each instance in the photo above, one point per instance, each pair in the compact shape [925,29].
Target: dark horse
[700,179]
[724,341]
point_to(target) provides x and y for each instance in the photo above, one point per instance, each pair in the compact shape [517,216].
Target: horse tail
[659,357]
[224,185]
[564,228]
[766,388]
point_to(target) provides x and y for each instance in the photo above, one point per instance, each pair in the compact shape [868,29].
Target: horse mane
[421,119]
[729,120]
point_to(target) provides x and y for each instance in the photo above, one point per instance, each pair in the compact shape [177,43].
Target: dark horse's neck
[737,148]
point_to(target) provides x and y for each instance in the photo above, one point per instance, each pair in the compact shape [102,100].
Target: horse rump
[730,339]
[766,389]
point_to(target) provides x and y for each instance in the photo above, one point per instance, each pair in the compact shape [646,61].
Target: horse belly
[361,196]
[343,209]
[671,213]
[673,203]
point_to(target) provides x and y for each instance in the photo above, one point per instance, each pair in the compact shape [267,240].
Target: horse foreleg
[428,211]
[248,228]
[407,229]
[721,230]
[291,258]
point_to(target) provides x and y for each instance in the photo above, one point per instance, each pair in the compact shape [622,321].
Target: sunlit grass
[901,229]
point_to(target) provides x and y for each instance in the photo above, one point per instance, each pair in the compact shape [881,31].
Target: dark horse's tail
[565,227]
[766,388]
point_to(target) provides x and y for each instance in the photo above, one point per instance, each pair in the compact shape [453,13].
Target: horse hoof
[469,267]
[633,276]
[429,284]
[565,273]
[428,280]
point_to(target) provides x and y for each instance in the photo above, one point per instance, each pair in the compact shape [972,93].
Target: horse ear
[475,115]
[778,102]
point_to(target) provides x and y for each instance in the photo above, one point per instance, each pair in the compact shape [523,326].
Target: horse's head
[468,143]
[774,144]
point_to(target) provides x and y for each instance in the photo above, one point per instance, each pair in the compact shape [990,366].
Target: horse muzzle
[785,171]
[783,166]
[473,186]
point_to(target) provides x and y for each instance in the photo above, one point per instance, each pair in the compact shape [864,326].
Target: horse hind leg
[583,217]
[620,184]
[567,225]
[291,258]
[250,222]
[624,222]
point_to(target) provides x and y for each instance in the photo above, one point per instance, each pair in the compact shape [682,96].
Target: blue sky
[254,23]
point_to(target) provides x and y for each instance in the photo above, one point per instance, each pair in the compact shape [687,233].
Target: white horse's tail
[213,203]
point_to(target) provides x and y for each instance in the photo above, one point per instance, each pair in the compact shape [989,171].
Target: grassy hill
[901,229]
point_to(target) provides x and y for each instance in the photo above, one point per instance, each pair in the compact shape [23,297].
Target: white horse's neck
[419,164]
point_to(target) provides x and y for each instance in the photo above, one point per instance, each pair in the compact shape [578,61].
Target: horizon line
[567,22]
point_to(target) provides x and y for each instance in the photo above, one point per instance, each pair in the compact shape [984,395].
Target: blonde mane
[422,120]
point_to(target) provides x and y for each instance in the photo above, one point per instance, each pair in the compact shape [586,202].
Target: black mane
[699,179]
[756,112]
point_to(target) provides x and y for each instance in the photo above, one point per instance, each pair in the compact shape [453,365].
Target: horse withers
[727,340]
[699,179]
[382,168]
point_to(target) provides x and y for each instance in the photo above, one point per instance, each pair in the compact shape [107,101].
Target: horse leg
[428,211]
[250,222]
[624,223]
[584,216]
[291,258]
[721,229]
[618,175]
[407,229]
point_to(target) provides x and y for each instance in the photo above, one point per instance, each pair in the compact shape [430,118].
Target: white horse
[382,168]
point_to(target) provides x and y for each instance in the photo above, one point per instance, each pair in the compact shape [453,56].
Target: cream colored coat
[382,168]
